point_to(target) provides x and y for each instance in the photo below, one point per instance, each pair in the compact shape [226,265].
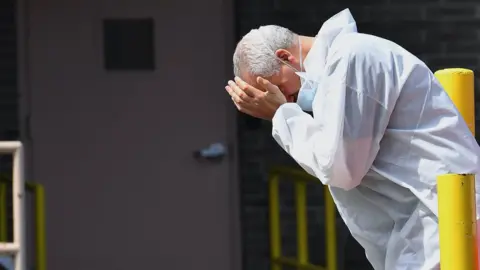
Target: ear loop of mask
[288,64]
[301,57]
[299,73]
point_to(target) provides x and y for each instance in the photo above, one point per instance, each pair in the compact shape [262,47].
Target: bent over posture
[382,130]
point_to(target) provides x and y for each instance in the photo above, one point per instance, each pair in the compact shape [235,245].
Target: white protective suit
[383,129]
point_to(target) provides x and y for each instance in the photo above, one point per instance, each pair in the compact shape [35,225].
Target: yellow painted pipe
[274,219]
[302,226]
[301,262]
[330,230]
[459,85]
[456,209]
[456,193]
[3,212]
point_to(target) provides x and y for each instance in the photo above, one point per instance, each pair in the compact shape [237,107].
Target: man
[382,130]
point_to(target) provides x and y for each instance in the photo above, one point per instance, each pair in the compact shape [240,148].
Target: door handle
[213,152]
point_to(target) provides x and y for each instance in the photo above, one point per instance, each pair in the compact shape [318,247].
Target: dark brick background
[8,72]
[9,101]
[443,33]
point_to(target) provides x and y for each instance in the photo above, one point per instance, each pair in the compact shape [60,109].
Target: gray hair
[255,53]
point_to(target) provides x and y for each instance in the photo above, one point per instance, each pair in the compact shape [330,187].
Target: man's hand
[255,102]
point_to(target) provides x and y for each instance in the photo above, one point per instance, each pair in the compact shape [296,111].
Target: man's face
[287,81]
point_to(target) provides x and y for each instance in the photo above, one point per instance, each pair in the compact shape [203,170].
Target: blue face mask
[308,87]
[307,92]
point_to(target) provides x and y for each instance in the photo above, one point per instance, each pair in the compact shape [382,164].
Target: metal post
[19,209]
[456,207]
[17,248]
[456,193]
[330,230]
[459,85]
[302,226]
[3,212]
[275,234]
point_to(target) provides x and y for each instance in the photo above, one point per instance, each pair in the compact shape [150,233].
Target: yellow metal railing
[302,260]
[3,212]
[40,230]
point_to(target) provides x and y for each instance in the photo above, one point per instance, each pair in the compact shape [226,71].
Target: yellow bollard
[458,83]
[456,193]
[456,208]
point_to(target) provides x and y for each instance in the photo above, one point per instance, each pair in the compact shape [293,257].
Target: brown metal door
[114,149]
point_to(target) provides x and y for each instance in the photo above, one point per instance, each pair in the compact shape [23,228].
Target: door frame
[23,87]
[229,22]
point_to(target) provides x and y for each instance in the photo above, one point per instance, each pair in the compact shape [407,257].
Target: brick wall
[443,33]
[9,102]
[8,74]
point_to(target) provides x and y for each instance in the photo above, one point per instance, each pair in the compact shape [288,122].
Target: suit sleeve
[340,142]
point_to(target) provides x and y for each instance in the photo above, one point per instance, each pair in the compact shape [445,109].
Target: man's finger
[267,85]
[247,88]
[239,107]
[245,110]
[241,104]
[231,93]
[239,92]
[234,95]
[236,105]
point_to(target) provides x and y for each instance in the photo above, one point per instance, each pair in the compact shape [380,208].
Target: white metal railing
[17,247]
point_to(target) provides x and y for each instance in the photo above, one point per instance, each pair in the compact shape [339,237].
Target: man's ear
[284,55]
